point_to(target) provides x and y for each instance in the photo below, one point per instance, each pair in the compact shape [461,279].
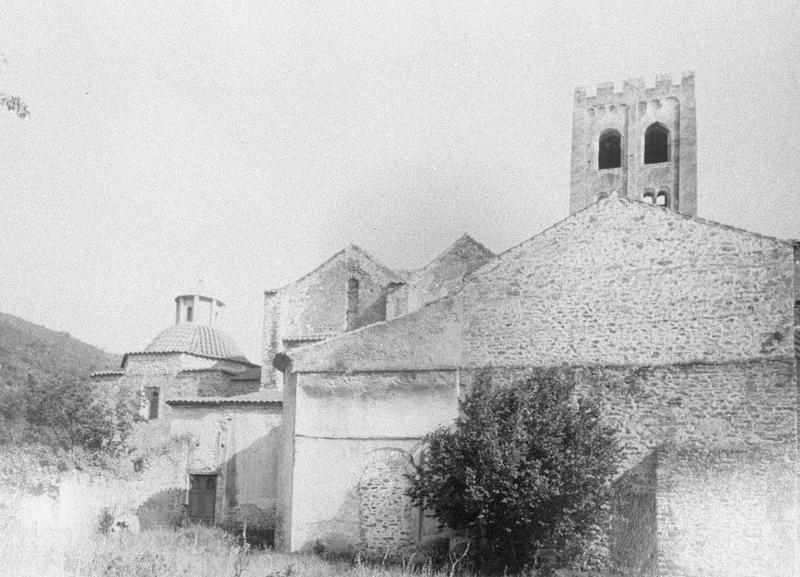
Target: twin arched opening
[656,147]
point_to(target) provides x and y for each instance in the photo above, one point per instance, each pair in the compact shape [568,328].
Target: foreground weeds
[203,552]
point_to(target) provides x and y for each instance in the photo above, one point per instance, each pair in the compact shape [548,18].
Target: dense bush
[66,413]
[523,474]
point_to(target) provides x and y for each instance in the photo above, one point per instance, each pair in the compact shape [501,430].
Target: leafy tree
[523,474]
[67,413]
[13,103]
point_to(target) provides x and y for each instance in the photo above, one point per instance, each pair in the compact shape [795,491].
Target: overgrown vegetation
[524,475]
[64,414]
[202,551]
[46,398]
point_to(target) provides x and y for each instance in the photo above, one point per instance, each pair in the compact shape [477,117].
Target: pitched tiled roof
[106,374]
[263,396]
[199,340]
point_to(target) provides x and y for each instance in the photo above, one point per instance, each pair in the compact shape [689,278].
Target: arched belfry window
[662,199]
[656,144]
[352,301]
[609,150]
[649,197]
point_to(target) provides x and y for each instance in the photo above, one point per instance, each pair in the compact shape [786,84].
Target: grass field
[188,553]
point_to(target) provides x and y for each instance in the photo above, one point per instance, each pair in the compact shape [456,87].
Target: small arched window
[662,199]
[609,150]
[656,144]
[189,314]
[648,197]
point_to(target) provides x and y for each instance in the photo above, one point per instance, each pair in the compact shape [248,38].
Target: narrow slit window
[609,154]
[152,412]
[656,144]
[189,314]
[352,302]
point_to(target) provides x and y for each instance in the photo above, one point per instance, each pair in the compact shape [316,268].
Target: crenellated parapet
[637,139]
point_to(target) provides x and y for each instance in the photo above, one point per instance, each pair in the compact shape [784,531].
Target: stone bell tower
[639,143]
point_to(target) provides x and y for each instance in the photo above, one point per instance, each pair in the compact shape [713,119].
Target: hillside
[26,348]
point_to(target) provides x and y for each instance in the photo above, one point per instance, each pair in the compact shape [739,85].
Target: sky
[236,146]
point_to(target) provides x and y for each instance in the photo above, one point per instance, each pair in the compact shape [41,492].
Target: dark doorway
[202,498]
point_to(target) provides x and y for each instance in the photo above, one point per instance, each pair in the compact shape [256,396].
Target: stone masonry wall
[731,406]
[161,371]
[425,339]
[315,306]
[626,283]
[438,278]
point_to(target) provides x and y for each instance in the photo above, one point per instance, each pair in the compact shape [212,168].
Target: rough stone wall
[315,306]
[385,515]
[742,406]
[353,433]
[425,339]
[630,113]
[162,371]
[626,283]
[241,445]
[438,278]
[211,383]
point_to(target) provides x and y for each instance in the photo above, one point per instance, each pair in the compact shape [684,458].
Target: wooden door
[202,498]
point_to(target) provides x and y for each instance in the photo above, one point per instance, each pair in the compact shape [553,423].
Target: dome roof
[202,340]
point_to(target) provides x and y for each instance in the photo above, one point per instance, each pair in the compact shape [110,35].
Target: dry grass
[190,553]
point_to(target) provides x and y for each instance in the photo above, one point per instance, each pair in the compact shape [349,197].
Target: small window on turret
[609,153]
[189,314]
[656,144]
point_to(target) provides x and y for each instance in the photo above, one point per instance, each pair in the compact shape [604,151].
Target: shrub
[66,413]
[523,474]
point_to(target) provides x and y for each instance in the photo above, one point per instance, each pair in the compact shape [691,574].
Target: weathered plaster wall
[354,435]
[727,513]
[241,444]
[146,499]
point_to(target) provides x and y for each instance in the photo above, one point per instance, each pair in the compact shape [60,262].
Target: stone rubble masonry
[631,112]
[315,306]
[625,283]
[425,339]
[441,276]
